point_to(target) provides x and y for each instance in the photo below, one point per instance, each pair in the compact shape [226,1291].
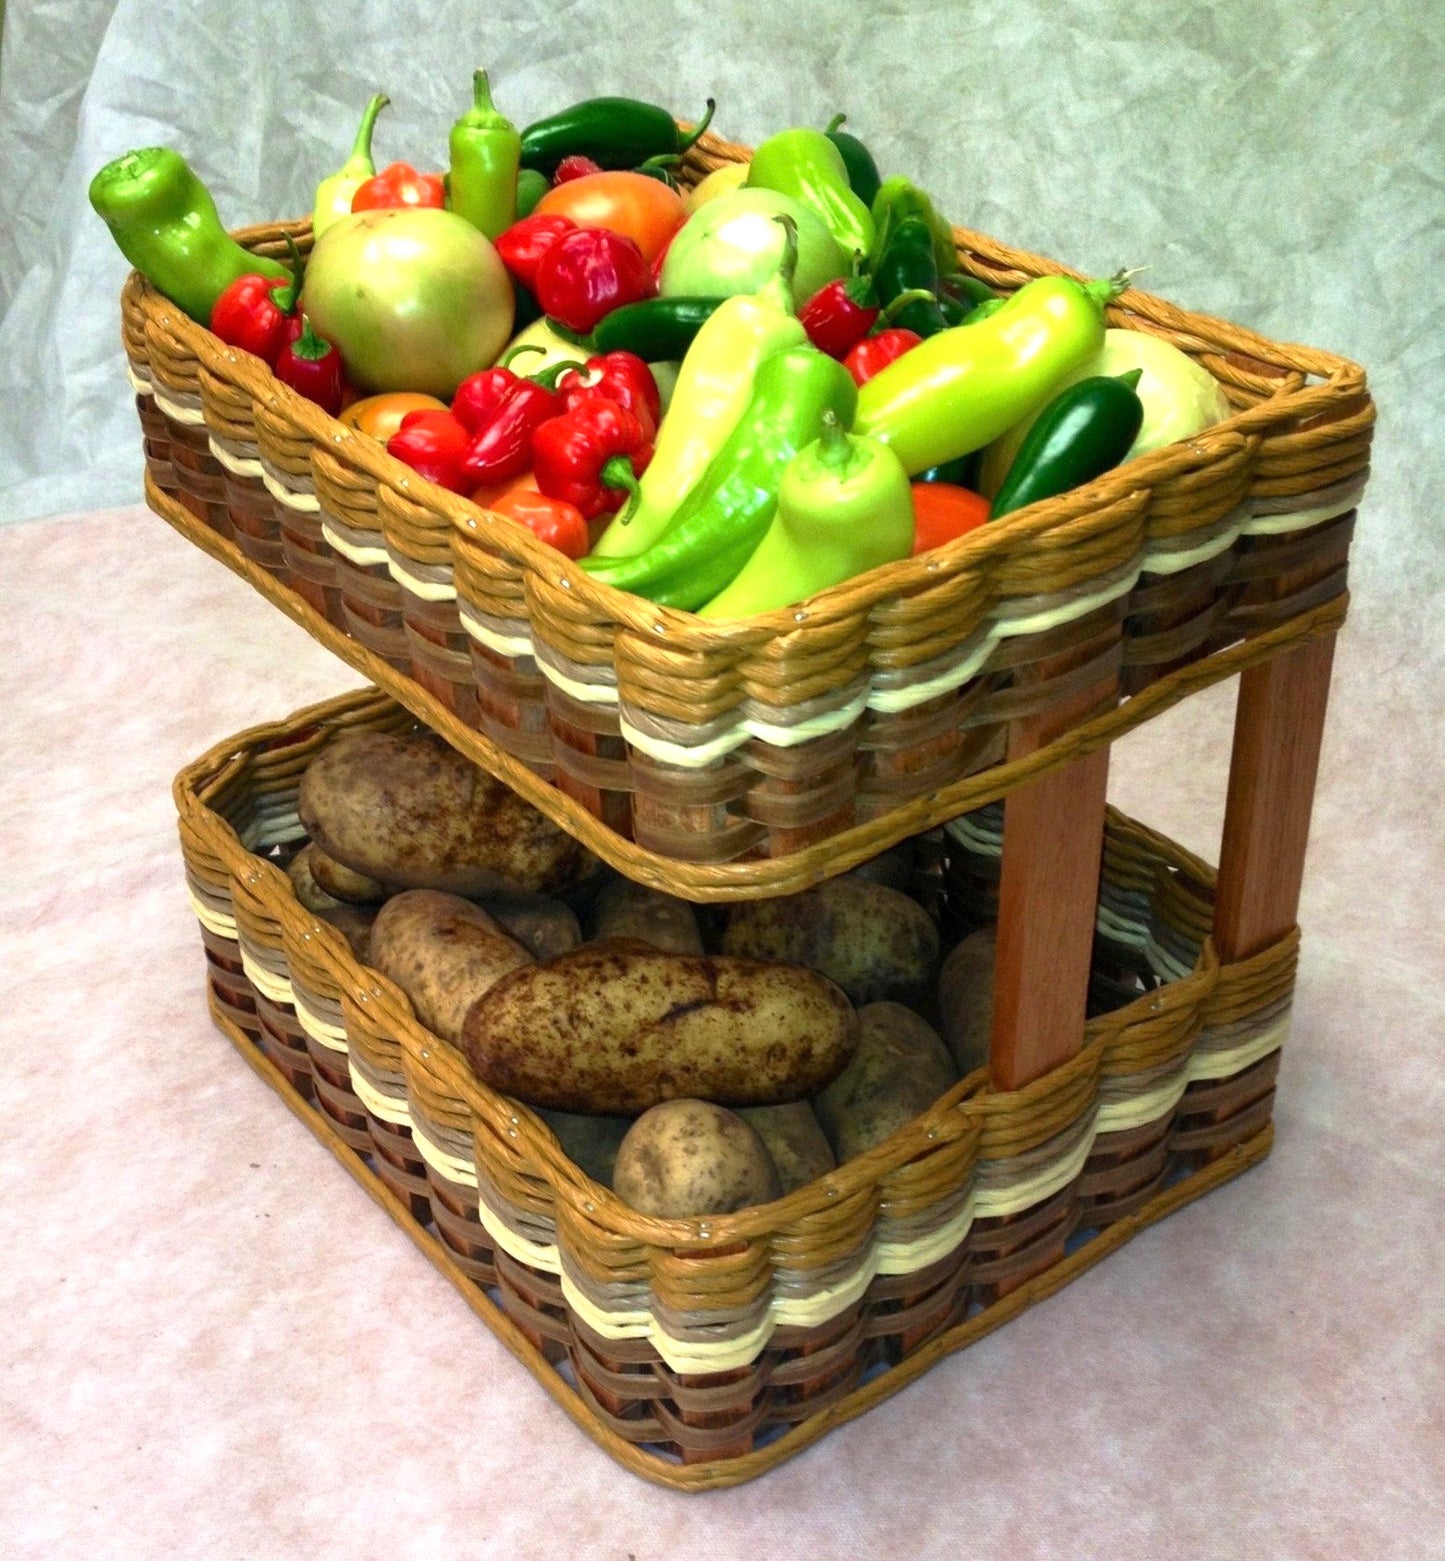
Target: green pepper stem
[834,123]
[1131,379]
[288,295]
[835,448]
[360,162]
[308,346]
[482,94]
[547,378]
[689,140]
[505,360]
[618,473]
[914,295]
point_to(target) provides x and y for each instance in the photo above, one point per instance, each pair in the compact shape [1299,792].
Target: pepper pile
[723,398]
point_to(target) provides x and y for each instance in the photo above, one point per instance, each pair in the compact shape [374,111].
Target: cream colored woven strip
[1206,1064]
[213,920]
[140,382]
[353,544]
[450,1167]
[386,1108]
[437,586]
[322,1031]
[498,642]
[180,406]
[273,987]
[241,460]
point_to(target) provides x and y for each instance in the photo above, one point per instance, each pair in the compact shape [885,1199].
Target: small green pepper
[1079,435]
[531,187]
[613,132]
[898,199]
[908,264]
[333,194]
[486,153]
[658,330]
[857,159]
[165,222]
[805,165]
[844,506]
[726,516]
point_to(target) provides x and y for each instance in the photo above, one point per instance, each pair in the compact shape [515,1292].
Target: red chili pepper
[254,313]
[502,448]
[574,167]
[313,367]
[553,521]
[622,377]
[399,185]
[874,353]
[589,273]
[524,244]
[591,456]
[434,444]
[837,317]
[943,511]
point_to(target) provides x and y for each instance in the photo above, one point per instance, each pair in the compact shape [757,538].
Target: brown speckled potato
[416,815]
[875,942]
[545,928]
[591,1143]
[443,952]
[303,881]
[354,923]
[628,910]
[613,1028]
[690,1157]
[794,1140]
[965,999]
[341,882]
[900,1068]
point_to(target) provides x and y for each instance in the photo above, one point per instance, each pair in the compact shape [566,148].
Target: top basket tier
[726,761]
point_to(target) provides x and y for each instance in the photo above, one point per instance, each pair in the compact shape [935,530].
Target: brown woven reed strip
[706,882]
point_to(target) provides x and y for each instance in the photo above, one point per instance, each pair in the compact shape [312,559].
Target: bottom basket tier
[702,1352]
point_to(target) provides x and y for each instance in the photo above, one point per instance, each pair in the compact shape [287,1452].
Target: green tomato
[734,244]
[412,298]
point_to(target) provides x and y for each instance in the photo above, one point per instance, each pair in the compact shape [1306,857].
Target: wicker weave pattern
[706,1336]
[717,744]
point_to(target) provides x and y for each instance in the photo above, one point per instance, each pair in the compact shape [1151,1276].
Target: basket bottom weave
[258,1045]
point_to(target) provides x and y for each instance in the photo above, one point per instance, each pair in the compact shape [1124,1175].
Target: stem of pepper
[618,473]
[360,164]
[505,361]
[835,449]
[697,130]
[913,295]
[834,123]
[308,346]
[288,295]
[549,376]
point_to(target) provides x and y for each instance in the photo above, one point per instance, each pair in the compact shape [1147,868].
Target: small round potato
[443,952]
[690,1157]
[875,942]
[413,813]
[900,1068]
[628,910]
[303,881]
[965,999]
[339,881]
[545,928]
[794,1140]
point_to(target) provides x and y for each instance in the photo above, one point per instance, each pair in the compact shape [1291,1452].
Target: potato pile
[698,1064]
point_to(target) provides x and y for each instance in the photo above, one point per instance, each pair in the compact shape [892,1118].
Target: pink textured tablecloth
[214,1344]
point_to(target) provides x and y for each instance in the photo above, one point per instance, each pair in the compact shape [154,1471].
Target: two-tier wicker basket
[724,762]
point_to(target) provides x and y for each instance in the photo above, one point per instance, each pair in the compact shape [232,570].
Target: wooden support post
[1278,726]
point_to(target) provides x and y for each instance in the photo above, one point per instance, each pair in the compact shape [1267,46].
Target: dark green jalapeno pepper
[165,222]
[960,294]
[1082,433]
[898,199]
[857,159]
[613,132]
[908,264]
[658,330]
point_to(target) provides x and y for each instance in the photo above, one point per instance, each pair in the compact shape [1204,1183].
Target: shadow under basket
[702,1352]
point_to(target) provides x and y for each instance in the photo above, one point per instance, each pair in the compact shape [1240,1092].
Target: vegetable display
[721,393]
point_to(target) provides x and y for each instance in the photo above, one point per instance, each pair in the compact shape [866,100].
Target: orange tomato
[943,511]
[489,493]
[631,204]
[380,416]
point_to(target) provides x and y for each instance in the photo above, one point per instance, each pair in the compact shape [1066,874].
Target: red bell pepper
[874,353]
[434,444]
[589,273]
[313,367]
[524,244]
[838,316]
[592,455]
[575,167]
[399,185]
[622,377]
[255,312]
[553,521]
[502,447]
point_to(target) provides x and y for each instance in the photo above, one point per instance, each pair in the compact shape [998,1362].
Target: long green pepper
[486,152]
[717,528]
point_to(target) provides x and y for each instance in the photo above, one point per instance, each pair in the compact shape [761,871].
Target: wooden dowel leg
[1278,726]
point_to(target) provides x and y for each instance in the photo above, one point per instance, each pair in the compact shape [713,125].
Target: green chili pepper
[960,294]
[805,165]
[726,516]
[333,195]
[658,330]
[486,153]
[908,264]
[961,389]
[713,388]
[898,199]
[613,132]
[857,159]
[960,473]
[1079,435]
[844,506]
[165,222]
[531,187]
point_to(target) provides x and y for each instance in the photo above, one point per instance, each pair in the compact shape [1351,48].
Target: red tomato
[631,204]
[943,511]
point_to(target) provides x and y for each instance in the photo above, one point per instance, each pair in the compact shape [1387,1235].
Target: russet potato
[689,1157]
